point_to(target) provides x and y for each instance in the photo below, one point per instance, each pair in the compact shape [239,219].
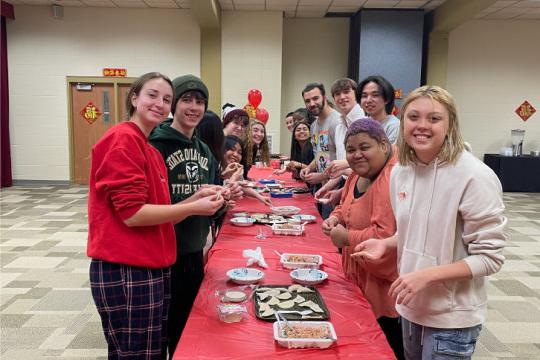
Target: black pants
[392,330]
[186,278]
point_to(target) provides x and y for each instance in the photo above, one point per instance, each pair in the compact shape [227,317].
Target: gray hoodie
[446,213]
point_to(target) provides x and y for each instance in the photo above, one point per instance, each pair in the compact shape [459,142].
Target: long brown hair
[453,144]
[137,86]
[250,145]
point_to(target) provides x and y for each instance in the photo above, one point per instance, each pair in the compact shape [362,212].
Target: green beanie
[185,83]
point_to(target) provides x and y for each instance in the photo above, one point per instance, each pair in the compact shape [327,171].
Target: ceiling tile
[411,4]
[227,7]
[290,14]
[357,3]
[248,2]
[130,3]
[381,3]
[167,4]
[14,2]
[318,3]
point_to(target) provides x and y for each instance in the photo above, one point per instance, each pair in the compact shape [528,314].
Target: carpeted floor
[47,312]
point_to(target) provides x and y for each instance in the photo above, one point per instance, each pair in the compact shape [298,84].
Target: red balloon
[254,97]
[262,115]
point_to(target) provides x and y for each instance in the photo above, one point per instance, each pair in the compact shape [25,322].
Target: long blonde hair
[249,144]
[453,142]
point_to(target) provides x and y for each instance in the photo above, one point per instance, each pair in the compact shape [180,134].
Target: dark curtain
[5,151]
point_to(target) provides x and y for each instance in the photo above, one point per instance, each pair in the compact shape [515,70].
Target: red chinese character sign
[90,112]
[525,110]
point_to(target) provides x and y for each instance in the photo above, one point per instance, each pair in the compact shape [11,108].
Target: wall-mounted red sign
[114,72]
[90,112]
[525,110]
[398,93]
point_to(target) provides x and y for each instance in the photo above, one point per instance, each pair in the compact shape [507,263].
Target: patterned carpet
[47,311]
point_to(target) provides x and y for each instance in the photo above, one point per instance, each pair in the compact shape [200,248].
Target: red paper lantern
[262,115]
[254,97]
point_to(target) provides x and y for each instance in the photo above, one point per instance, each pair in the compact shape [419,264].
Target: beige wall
[313,50]
[493,66]
[251,58]
[43,51]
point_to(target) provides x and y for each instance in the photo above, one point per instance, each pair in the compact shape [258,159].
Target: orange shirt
[370,217]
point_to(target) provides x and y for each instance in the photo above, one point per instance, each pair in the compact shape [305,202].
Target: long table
[206,337]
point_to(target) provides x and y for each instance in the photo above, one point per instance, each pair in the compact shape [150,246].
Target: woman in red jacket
[130,225]
[365,212]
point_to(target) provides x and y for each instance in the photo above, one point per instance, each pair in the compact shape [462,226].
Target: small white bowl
[242,221]
[305,218]
[309,276]
[245,275]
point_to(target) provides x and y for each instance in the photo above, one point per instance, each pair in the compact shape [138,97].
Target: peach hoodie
[446,213]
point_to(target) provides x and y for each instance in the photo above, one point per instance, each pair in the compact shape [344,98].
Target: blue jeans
[425,343]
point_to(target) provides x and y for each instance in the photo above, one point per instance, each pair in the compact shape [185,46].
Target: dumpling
[268,312]
[286,304]
[284,296]
[299,299]
[273,301]
[263,307]
[294,287]
[303,289]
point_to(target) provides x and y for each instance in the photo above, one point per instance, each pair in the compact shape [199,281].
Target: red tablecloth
[206,337]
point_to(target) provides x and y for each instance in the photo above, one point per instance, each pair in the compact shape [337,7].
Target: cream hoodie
[446,213]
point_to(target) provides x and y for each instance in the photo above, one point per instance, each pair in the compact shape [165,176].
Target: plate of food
[308,276]
[305,218]
[301,261]
[294,302]
[242,221]
[268,219]
[241,214]
[304,334]
[285,210]
[288,229]
[245,275]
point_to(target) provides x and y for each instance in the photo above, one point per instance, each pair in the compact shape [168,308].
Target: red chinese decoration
[395,110]
[114,72]
[90,113]
[254,97]
[262,115]
[398,94]
[525,110]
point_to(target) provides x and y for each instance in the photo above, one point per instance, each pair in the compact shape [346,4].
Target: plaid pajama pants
[133,304]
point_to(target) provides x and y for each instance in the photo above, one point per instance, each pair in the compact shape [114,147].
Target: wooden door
[87,131]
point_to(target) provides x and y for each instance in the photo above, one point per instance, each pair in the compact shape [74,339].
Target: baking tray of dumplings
[268,299]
